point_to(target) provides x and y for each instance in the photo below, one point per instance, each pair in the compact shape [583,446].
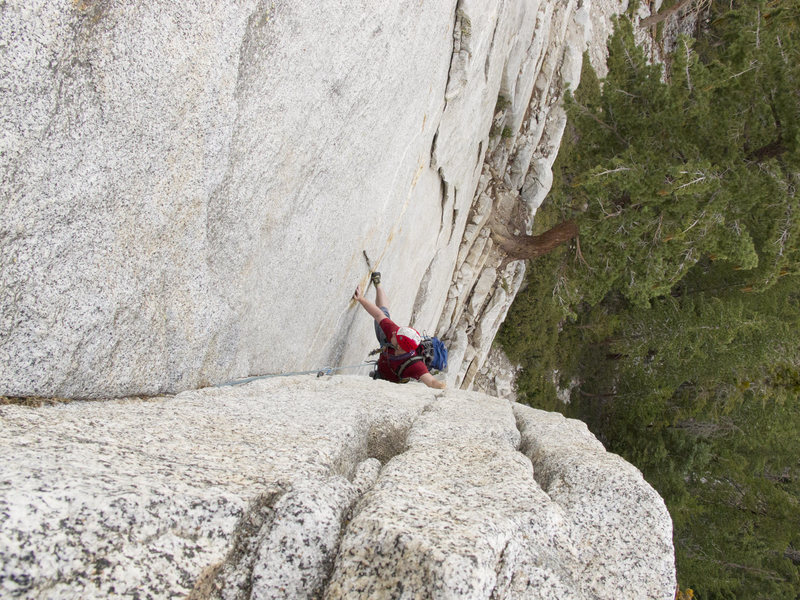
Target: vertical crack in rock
[449,198]
[616,521]
[287,541]
[454,219]
[462,34]
[527,449]
[232,579]
[336,345]
[433,162]
[386,440]
[447,228]
[422,291]
[295,556]
[444,192]
[438,519]
[489,53]
[504,569]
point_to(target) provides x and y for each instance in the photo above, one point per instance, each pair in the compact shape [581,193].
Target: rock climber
[396,342]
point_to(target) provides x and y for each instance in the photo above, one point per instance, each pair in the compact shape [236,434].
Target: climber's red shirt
[387,367]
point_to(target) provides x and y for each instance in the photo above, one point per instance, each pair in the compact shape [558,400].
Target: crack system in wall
[233,576]
[287,539]
[518,155]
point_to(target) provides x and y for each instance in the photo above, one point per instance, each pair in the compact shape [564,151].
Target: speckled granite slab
[308,487]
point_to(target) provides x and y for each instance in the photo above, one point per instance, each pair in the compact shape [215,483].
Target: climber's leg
[381,299]
[379,332]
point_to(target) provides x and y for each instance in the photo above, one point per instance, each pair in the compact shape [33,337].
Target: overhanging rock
[336,488]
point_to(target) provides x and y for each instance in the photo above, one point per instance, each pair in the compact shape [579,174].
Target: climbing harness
[431,350]
[319,373]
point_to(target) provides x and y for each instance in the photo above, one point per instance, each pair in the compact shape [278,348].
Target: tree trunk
[522,247]
[658,17]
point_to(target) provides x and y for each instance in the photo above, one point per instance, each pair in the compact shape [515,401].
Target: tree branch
[521,247]
[602,123]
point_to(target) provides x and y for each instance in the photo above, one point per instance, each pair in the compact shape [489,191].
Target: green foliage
[502,103]
[530,333]
[676,319]
[672,180]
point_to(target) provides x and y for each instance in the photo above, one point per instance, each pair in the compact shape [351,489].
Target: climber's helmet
[408,339]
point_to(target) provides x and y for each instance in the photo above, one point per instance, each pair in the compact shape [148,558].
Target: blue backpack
[434,353]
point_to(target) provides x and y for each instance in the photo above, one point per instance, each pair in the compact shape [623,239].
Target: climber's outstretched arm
[369,305]
[432,382]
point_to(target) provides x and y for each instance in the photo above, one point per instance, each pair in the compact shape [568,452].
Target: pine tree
[675,179]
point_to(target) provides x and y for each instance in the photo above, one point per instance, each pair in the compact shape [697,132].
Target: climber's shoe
[375,277]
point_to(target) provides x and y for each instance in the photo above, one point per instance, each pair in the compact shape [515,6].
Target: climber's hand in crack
[372,308]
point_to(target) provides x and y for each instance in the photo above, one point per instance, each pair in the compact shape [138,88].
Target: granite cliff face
[186,190]
[322,487]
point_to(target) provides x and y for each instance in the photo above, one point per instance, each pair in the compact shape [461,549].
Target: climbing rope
[319,372]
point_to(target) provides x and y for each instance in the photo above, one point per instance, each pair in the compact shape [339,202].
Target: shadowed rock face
[186,190]
[336,488]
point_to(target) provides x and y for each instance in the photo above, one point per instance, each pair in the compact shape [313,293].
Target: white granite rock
[498,376]
[174,178]
[296,552]
[600,493]
[108,498]
[308,487]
